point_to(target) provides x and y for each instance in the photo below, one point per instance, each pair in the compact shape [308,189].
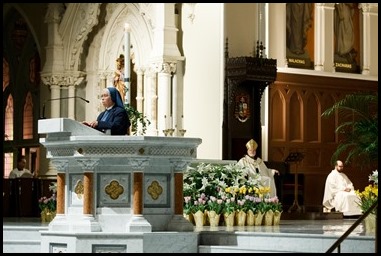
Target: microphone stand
[62,98]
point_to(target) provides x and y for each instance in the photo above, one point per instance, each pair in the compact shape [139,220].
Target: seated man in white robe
[339,193]
[256,165]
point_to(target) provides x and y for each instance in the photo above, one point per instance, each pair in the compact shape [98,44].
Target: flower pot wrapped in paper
[47,215]
[367,199]
[229,219]
[259,218]
[370,224]
[277,215]
[250,218]
[199,218]
[260,210]
[229,211]
[189,217]
[272,208]
[214,218]
[277,209]
[48,205]
[268,218]
[255,209]
[214,209]
[199,210]
[240,218]
[188,209]
[243,205]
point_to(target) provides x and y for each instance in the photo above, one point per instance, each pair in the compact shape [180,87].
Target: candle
[127,62]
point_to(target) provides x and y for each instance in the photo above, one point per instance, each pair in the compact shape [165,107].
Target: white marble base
[138,224]
[179,223]
[82,223]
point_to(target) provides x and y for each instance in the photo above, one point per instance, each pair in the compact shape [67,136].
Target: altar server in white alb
[256,165]
[339,193]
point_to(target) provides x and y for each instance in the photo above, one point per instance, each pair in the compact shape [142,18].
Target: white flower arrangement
[229,185]
[374,177]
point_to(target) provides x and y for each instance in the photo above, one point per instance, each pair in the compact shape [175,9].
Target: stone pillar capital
[60,165]
[88,164]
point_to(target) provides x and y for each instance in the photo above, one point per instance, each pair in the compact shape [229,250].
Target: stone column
[52,73]
[151,102]
[324,48]
[60,193]
[178,100]
[323,36]
[88,223]
[61,166]
[139,96]
[55,108]
[179,197]
[60,222]
[370,43]
[71,102]
[178,222]
[165,118]
[138,223]
[88,192]
[138,193]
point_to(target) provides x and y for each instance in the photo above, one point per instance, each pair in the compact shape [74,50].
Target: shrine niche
[245,80]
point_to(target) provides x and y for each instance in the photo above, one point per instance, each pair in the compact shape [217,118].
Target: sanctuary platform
[124,194]
[23,235]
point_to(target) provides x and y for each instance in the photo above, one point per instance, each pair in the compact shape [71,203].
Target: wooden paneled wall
[296,103]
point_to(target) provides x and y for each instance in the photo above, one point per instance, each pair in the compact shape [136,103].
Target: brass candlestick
[170,132]
[182,132]
[166,132]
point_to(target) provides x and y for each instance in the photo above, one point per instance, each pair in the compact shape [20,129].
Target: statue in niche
[298,21]
[344,33]
[119,77]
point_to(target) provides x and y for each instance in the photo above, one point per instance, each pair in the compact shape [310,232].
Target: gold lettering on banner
[297,61]
[114,189]
[343,65]
[155,190]
[79,189]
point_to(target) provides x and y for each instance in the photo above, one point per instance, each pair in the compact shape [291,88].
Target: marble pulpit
[116,184]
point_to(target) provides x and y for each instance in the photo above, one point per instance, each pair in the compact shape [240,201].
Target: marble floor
[321,227]
[326,226]
[308,230]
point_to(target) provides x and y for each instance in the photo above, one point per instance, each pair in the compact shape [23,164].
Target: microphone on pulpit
[62,98]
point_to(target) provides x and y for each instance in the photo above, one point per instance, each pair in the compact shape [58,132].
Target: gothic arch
[112,41]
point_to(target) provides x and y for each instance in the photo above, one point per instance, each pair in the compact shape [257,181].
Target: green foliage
[230,205]
[215,204]
[135,118]
[358,114]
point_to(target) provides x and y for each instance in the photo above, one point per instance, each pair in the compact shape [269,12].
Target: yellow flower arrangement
[370,194]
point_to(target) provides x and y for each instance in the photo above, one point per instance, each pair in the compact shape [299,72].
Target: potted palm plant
[359,128]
